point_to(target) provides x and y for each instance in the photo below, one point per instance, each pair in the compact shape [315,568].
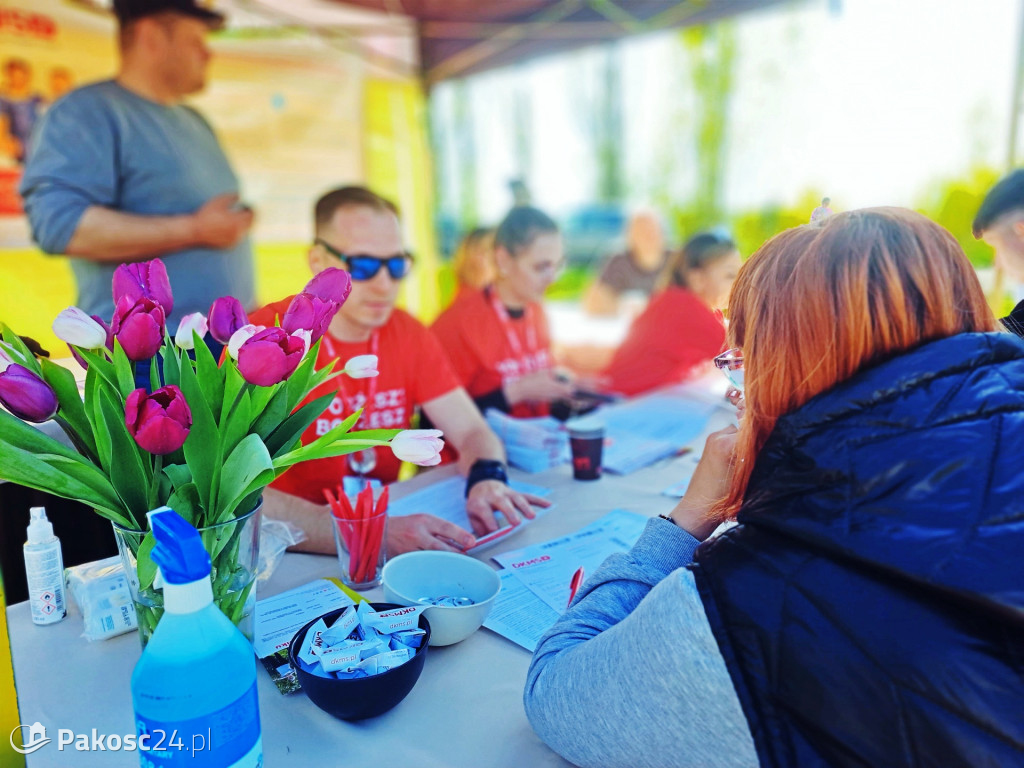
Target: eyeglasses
[364,267]
[730,363]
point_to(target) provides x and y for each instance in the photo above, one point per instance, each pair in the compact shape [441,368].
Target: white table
[465,710]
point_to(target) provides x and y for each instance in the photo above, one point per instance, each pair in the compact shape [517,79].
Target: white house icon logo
[36,738]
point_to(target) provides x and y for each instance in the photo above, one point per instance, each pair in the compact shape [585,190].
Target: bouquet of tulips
[205,437]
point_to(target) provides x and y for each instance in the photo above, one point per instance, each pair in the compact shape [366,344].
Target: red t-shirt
[486,349]
[676,332]
[413,370]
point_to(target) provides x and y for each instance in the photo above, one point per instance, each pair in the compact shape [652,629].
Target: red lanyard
[371,382]
[510,334]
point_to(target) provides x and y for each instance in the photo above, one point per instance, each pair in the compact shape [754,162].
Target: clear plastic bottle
[44,570]
[194,689]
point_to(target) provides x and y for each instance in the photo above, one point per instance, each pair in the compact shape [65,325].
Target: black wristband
[486,469]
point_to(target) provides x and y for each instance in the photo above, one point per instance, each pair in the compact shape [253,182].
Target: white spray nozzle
[40,530]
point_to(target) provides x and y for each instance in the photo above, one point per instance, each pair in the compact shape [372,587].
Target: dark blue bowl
[362,697]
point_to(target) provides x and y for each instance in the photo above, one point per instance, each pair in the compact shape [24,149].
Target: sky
[868,101]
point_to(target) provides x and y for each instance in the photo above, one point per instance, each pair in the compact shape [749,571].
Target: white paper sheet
[446,499]
[547,569]
[518,614]
[278,618]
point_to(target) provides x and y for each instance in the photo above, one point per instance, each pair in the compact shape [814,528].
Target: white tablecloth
[466,709]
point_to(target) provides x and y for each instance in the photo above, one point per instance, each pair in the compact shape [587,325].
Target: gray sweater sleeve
[631,674]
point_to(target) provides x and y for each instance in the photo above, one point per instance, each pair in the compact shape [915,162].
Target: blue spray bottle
[194,689]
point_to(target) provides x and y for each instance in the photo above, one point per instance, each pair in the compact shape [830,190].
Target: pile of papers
[532,445]
[643,431]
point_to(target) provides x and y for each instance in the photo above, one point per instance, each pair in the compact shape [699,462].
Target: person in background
[1000,223]
[359,231]
[682,327]
[61,82]
[497,338]
[823,211]
[634,272]
[20,108]
[868,607]
[474,260]
[123,171]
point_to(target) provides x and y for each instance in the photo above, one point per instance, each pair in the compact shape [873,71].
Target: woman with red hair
[868,607]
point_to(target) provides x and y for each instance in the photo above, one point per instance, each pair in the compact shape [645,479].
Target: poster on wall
[286,104]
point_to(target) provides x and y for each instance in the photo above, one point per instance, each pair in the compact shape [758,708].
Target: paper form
[646,430]
[547,569]
[278,618]
[446,500]
[518,614]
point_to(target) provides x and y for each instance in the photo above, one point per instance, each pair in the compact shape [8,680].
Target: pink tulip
[160,421]
[144,279]
[226,316]
[242,335]
[195,321]
[307,339]
[331,284]
[361,367]
[270,357]
[419,446]
[78,329]
[26,395]
[310,313]
[139,326]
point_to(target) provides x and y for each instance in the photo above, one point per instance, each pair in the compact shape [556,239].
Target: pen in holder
[360,535]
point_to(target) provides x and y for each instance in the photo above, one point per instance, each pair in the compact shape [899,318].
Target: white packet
[100,590]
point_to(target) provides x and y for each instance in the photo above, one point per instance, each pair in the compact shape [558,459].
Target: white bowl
[415,575]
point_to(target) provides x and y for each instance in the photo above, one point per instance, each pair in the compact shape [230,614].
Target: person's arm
[631,674]
[600,299]
[107,235]
[456,416]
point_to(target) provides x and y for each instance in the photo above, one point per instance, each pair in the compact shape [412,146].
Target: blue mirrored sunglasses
[364,267]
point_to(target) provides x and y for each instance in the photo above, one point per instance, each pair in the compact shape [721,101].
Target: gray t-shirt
[622,274]
[104,145]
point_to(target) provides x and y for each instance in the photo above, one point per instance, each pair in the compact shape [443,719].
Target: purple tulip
[309,313]
[139,326]
[331,284]
[270,357]
[159,422]
[26,395]
[144,279]
[226,316]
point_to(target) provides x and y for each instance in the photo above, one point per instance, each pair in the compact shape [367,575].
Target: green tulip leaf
[144,561]
[21,354]
[247,468]
[185,501]
[133,475]
[210,377]
[292,428]
[237,424]
[202,444]
[72,409]
[123,371]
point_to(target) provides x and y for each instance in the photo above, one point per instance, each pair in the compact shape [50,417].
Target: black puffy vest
[870,603]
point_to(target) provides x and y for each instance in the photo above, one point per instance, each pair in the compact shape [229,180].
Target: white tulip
[419,446]
[242,335]
[76,328]
[362,367]
[183,339]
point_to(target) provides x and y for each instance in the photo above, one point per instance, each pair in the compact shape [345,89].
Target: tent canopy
[460,37]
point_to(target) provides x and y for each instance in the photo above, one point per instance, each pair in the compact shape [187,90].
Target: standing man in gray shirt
[122,171]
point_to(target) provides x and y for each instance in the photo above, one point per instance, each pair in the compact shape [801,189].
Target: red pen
[574,585]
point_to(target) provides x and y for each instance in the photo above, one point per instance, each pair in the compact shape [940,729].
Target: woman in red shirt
[682,326]
[497,338]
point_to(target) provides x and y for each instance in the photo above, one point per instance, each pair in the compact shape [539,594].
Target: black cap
[130,10]
[1006,195]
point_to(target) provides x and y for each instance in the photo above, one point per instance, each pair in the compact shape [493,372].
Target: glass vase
[234,554]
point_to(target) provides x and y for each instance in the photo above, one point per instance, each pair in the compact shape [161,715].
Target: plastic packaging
[194,689]
[275,537]
[44,569]
[100,590]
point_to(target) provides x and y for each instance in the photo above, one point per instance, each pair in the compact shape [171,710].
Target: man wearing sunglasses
[359,231]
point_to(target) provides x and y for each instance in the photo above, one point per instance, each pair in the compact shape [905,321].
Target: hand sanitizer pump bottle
[194,689]
[44,569]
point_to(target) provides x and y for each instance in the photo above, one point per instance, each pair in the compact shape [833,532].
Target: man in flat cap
[1000,223]
[122,171]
